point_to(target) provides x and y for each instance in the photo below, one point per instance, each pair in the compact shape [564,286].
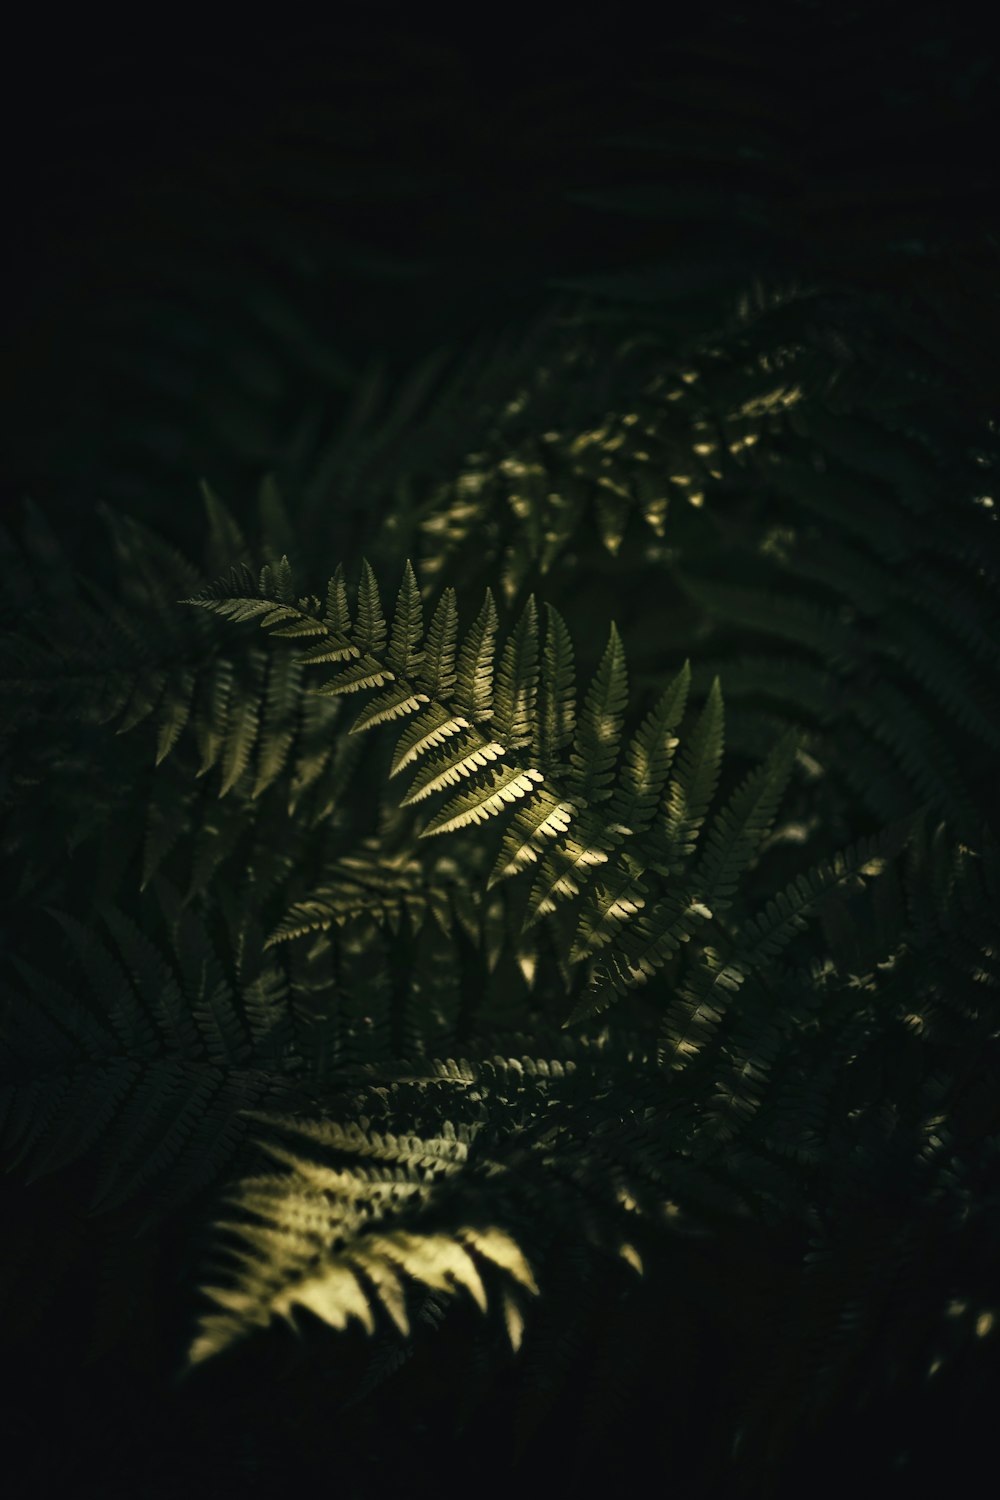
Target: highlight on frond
[602,821]
[336,1233]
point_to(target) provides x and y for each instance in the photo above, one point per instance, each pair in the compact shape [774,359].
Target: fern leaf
[277,530]
[514,713]
[145,697]
[649,757]
[598,731]
[453,764]
[558,690]
[241,736]
[175,711]
[741,826]
[370,627]
[474,678]
[336,644]
[363,673]
[764,936]
[226,542]
[432,726]
[616,899]
[693,787]
[275,581]
[436,671]
[238,598]
[545,818]
[212,714]
[329,649]
[403,655]
[396,703]
[642,949]
[481,803]
[277,733]
[702,1002]
[567,867]
[497,1246]
[208,994]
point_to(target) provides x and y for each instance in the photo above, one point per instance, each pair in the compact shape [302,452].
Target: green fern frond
[359,1212]
[599,726]
[437,671]
[370,626]
[456,762]
[545,818]
[561,834]
[363,884]
[429,730]
[515,721]
[334,1241]
[649,757]
[474,677]
[794,1057]
[403,654]
[741,826]
[147,1072]
[557,724]
[701,1004]
[693,786]
[486,800]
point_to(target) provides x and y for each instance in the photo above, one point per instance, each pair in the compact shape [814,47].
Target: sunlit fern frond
[459,1175]
[583,800]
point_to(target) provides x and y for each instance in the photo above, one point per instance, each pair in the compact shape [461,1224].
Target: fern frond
[741,826]
[762,938]
[403,654]
[437,670]
[474,677]
[545,818]
[693,786]
[598,731]
[359,1212]
[395,703]
[153,1068]
[370,626]
[456,762]
[514,719]
[484,801]
[567,867]
[649,757]
[640,951]
[431,728]
[324,1238]
[558,689]
[362,884]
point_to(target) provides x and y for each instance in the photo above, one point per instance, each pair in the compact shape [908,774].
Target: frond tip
[354,1283]
[322,1239]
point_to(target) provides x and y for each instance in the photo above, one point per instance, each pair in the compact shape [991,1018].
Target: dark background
[213,229]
